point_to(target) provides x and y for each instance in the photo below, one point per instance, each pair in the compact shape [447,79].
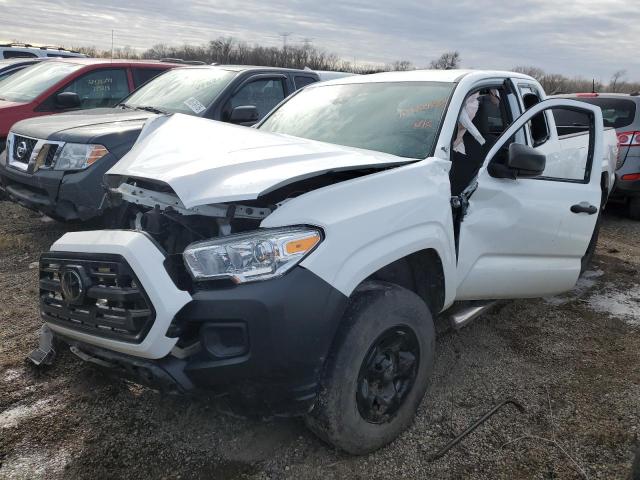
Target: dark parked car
[14,65]
[55,164]
[622,112]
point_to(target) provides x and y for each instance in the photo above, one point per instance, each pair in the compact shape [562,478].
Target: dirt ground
[573,361]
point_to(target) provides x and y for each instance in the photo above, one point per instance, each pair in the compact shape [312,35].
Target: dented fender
[371,221]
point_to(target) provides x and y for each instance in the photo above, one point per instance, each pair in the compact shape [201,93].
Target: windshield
[183,90]
[28,83]
[400,118]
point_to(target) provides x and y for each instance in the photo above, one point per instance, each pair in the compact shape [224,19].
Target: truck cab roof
[428,76]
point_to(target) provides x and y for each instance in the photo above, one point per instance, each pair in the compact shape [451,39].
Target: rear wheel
[378,372]
[634,208]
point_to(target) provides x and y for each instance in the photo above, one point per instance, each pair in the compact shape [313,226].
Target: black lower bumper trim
[166,375]
[264,344]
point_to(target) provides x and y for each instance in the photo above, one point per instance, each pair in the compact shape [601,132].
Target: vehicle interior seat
[490,122]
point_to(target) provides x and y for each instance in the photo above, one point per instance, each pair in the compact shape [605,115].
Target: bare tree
[401,66]
[534,72]
[447,61]
[226,50]
[615,80]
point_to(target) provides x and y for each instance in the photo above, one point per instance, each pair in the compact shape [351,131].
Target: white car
[25,50]
[298,267]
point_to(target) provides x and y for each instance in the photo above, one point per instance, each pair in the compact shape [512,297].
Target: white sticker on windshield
[195,105]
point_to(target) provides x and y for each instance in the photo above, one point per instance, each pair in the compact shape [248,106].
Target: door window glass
[538,126]
[567,159]
[570,160]
[264,94]
[100,88]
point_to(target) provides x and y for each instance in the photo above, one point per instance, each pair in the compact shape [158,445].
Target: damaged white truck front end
[297,267]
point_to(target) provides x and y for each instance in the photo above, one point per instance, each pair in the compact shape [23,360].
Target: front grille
[23,146]
[112,304]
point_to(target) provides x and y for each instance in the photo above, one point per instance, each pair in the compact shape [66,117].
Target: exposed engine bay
[153,207]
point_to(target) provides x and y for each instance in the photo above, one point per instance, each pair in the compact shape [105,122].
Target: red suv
[61,85]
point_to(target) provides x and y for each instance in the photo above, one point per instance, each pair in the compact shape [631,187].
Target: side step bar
[462,317]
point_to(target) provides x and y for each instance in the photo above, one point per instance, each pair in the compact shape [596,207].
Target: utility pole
[284,36]
[111,44]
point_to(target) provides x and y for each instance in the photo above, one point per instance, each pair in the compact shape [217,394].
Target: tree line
[555,83]
[226,50]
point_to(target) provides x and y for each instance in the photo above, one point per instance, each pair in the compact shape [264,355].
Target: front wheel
[378,372]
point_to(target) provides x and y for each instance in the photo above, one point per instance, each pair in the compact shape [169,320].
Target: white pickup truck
[297,267]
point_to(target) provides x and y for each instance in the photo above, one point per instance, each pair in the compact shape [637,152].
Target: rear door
[525,236]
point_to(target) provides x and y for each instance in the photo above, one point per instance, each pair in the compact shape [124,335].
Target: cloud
[591,38]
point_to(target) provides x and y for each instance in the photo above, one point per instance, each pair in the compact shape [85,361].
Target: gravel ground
[572,360]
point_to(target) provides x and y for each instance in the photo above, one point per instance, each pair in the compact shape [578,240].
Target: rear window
[616,112]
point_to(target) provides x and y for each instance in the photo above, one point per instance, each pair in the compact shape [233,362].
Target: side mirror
[526,161]
[68,100]
[244,114]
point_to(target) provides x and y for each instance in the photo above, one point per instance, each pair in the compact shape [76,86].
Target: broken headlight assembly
[253,256]
[78,156]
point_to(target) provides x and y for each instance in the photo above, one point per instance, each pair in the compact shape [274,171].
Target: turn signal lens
[96,153]
[302,245]
[78,156]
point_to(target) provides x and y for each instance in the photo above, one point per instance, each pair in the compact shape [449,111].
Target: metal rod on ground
[475,425]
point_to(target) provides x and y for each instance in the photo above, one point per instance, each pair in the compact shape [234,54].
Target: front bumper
[262,343]
[61,195]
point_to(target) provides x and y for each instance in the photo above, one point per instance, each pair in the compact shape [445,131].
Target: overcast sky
[591,38]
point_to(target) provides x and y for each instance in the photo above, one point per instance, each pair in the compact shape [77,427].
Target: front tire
[378,372]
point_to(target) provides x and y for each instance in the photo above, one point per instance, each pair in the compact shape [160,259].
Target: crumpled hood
[206,162]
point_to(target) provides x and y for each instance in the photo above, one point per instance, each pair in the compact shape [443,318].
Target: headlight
[248,257]
[76,156]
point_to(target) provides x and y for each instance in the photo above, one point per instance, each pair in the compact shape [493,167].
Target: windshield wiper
[151,109]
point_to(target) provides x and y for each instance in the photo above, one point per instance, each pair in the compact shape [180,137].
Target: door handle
[584,207]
